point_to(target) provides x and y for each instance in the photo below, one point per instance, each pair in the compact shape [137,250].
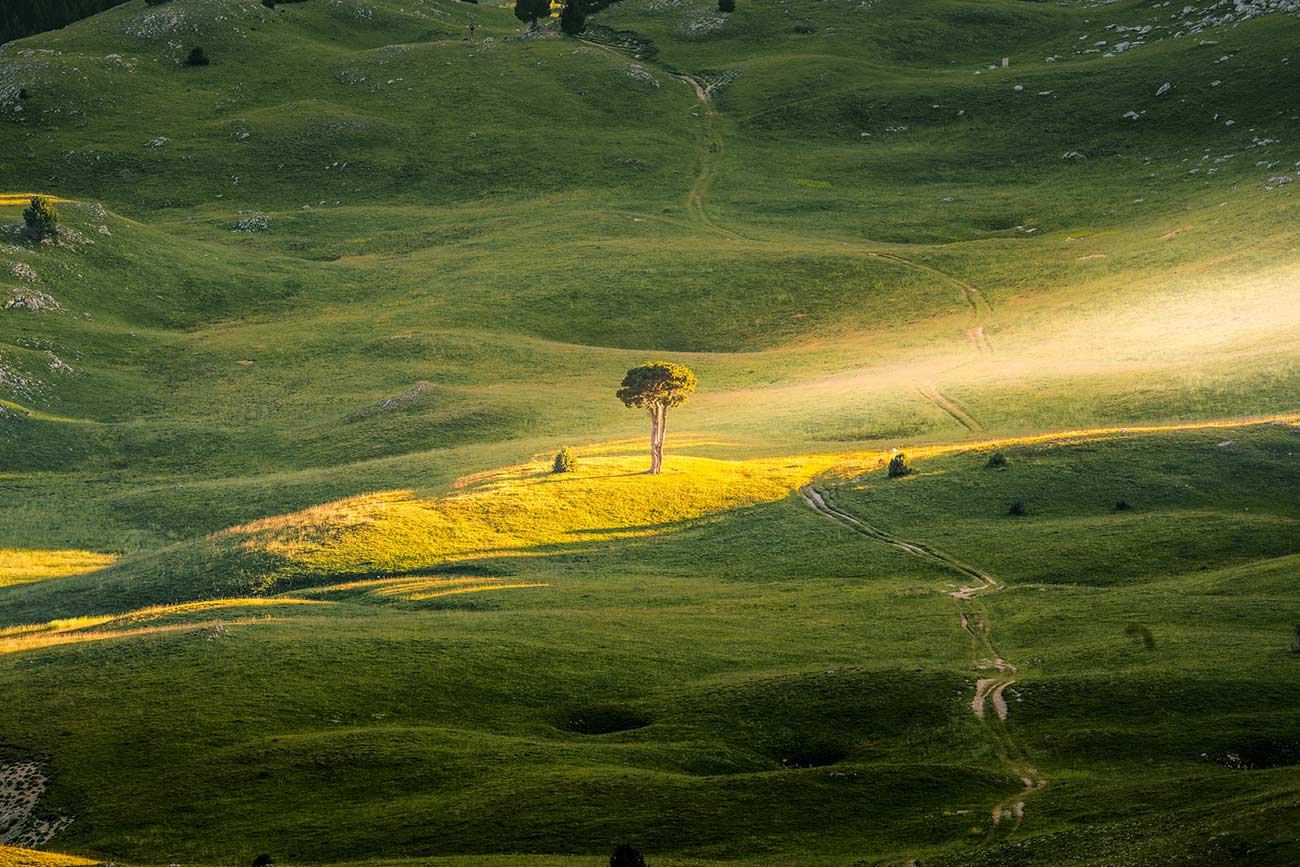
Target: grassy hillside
[282,569]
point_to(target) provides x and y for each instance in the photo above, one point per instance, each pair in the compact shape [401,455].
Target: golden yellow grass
[19,566]
[76,630]
[10,199]
[13,856]
[35,641]
[517,511]
[418,587]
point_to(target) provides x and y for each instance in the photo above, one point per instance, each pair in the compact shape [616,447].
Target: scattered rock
[251,224]
[21,787]
[24,271]
[33,300]
[1164,88]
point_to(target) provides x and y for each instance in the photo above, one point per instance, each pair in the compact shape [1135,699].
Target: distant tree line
[27,17]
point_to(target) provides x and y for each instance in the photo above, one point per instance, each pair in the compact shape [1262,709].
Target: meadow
[283,567]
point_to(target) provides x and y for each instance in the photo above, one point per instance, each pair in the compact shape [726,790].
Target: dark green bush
[1295,645]
[898,466]
[626,856]
[573,17]
[726,5]
[565,462]
[1017,509]
[1122,506]
[997,461]
[41,218]
[262,860]
[197,57]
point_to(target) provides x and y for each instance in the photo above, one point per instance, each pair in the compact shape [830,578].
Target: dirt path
[932,394]
[710,152]
[981,310]
[1008,813]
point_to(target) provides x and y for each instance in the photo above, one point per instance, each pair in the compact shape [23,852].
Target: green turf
[303,466]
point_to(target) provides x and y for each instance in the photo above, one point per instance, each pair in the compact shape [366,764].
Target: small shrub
[41,218]
[565,462]
[997,461]
[1122,506]
[269,4]
[197,57]
[727,6]
[1017,509]
[154,2]
[898,466]
[1295,645]
[262,860]
[626,856]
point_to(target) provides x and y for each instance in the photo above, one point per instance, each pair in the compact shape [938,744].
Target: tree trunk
[663,433]
[656,455]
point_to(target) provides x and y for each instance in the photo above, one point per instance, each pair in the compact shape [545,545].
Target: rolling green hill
[283,569]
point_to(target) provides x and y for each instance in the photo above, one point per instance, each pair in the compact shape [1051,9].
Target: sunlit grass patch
[416,588]
[13,856]
[19,643]
[19,567]
[11,199]
[124,624]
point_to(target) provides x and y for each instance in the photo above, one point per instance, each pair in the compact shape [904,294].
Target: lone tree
[898,466]
[573,17]
[727,6]
[41,218]
[529,11]
[197,57]
[655,386]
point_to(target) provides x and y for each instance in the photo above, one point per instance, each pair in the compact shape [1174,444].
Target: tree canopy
[655,383]
[573,18]
[530,11]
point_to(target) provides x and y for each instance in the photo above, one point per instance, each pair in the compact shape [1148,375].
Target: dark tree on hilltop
[41,218]
[626,856]
[529,11]
[573,18]
[655,387]
[726,5]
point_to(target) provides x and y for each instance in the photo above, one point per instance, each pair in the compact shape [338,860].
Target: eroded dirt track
[990,689]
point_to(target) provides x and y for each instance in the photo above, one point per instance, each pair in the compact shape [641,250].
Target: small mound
[604,720]
[811,756]
[1262,754]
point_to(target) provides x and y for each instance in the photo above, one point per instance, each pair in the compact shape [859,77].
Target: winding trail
[954,410]
[710,152]
[1008,813]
